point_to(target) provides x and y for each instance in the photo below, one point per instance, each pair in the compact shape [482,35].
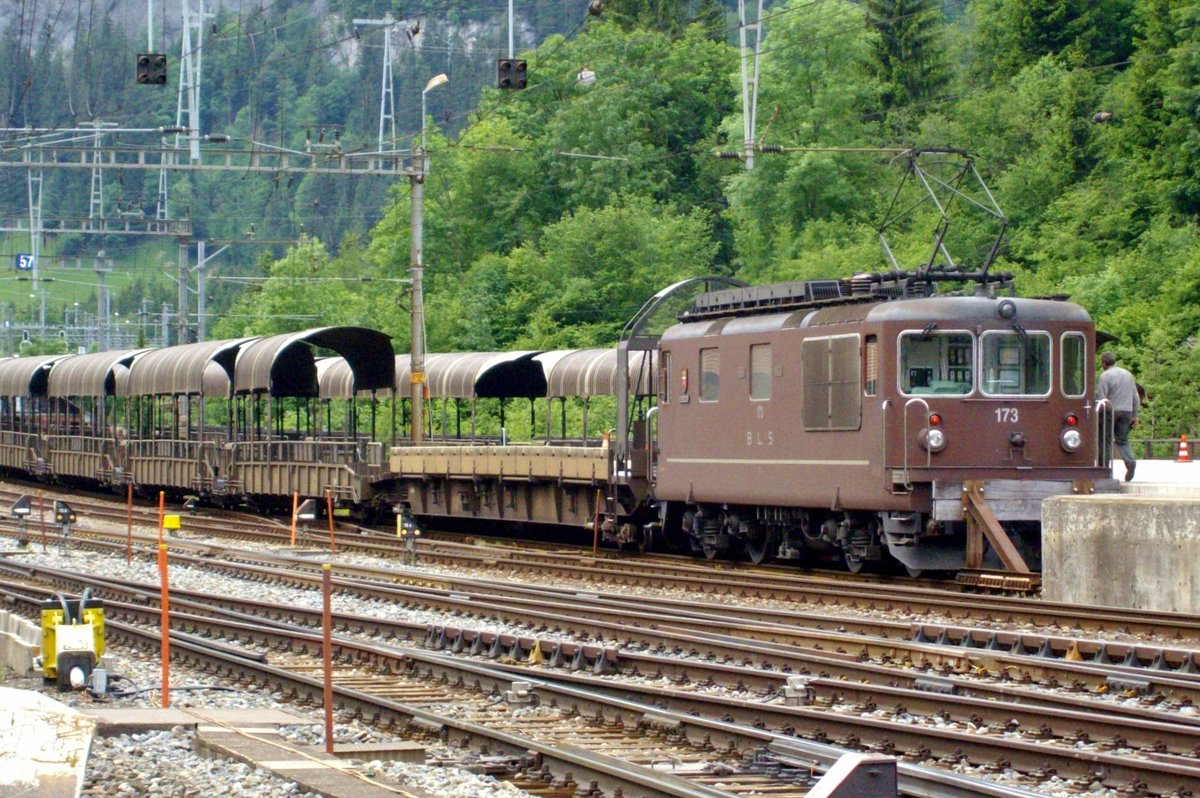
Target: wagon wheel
[761,548]
[642,542]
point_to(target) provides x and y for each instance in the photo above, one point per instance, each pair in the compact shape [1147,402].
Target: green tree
[1015,33]
[813,93]
[906,54]
[589,273]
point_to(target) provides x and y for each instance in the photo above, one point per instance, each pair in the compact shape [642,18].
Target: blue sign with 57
[24,261]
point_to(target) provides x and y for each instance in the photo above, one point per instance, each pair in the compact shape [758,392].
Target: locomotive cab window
[1074,363]
[937,363]
[1015,363]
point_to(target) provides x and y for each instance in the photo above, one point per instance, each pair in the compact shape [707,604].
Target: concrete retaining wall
[1122,551]
[20,642]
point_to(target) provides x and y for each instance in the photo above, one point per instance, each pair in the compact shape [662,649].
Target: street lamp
[434,82]
[416,263]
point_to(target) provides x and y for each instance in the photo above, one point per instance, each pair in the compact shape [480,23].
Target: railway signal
[152,69]
[64,515]
[511,73]
[307,512]
[408,531]
[21,509]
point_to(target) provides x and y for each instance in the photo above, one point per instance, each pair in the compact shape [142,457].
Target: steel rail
[1180,738]
[767,584]
[816,630]
[598,657]
[748,644]
[735,734]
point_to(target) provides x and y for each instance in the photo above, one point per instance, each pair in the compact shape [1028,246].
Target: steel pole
[201,289]
[181,319]
[417,268]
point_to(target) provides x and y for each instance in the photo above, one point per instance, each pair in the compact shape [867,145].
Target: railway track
[1016,656]
[1166,744]
[613,742]
[949,616]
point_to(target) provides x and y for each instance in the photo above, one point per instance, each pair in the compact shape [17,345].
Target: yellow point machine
[72,639]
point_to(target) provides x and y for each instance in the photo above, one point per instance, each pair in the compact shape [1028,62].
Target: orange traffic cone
[1183,455]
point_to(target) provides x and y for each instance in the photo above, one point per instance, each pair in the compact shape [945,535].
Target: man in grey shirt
[1119,388]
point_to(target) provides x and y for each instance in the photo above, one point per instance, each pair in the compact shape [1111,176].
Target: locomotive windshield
[1016,363]
[937,363]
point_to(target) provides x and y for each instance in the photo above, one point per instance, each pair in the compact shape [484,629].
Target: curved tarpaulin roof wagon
[285,365]
[27,376]
[335,378]
[593,372]
[477,375]
[94,375]
[181,370]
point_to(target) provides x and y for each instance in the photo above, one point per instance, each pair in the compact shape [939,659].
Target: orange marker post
[295,509]
[165,624]
[329,512]
[327,652]
[42,518]
[129,523]
[162,498]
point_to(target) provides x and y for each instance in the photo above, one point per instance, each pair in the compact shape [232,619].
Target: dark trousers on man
[1122,423]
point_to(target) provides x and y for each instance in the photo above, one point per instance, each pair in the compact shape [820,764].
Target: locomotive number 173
[1006,415]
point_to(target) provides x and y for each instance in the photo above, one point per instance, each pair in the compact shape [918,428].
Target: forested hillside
[553,212]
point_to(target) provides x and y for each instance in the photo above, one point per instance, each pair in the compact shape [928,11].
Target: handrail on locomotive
[928,453]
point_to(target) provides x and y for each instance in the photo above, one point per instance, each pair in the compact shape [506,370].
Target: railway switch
[72,639]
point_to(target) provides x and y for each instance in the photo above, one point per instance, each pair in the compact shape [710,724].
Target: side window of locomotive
[871,372]
[831,378]
[760,372]
[937,363]
[710,374]
[664,380]
[1074,354]
[1015,363]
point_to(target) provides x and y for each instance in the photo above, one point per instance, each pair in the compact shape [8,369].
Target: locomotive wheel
[761,549]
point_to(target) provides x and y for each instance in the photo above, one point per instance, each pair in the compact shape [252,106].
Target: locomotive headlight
[1071,439]
[934,440]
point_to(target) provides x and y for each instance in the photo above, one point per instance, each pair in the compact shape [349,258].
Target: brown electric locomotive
[866,417]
